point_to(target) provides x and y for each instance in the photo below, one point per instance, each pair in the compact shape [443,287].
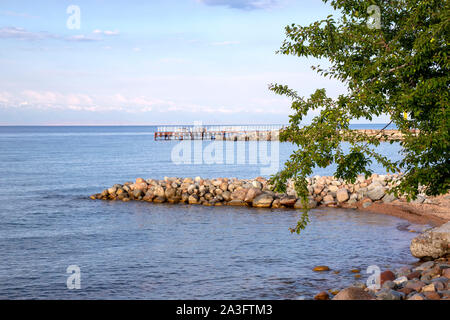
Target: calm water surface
[138,250]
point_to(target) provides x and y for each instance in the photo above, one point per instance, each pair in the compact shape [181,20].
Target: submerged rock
[322,296]
[321,268]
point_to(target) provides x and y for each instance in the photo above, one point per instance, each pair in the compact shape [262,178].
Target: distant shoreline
[156,125]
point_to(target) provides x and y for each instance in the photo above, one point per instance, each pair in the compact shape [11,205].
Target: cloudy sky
[151,62]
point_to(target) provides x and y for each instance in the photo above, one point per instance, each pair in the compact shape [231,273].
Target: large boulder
[353,293]
[226,195]
[288,201]
[263,201]
[388,198]
[239,194]
[376,193]
[433,243]
[159,191]
[328,199]
[342,195]
[311,203]
[333,188]
[193,199]
[252,193]
[140,186]
[170,193]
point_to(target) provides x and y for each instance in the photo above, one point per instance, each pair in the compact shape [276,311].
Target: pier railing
[193,128]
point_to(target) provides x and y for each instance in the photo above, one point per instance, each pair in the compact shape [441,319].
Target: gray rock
[425,266]
[420,199]
[400,280]
[376,193]
[388,198]
[389,294]
[403,271]
[389,284]
[445,293]
[416,296]
[440,279]
[353,293]
[366,204]
[252,193]
[434,243]
[426,278]
[311,203]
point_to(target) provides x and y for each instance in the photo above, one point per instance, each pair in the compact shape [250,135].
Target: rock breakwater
[323,191]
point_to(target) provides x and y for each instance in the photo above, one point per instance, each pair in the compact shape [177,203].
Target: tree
[393,58]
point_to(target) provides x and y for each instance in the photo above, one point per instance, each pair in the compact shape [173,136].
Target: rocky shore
[323,191]
[429,279]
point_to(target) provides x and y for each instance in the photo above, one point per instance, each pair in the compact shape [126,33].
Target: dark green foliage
[401,67]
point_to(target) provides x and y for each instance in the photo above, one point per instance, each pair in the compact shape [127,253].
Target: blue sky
[152,62]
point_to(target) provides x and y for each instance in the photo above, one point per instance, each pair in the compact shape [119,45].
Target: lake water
[139,250]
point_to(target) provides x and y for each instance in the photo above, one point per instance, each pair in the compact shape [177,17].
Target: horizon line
[160,124]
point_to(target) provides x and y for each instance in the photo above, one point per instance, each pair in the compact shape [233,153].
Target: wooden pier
[251,133]
[231,133]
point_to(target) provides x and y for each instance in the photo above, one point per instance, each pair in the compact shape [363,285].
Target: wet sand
[435,213]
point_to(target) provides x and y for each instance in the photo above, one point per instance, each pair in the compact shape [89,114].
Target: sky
[152,62]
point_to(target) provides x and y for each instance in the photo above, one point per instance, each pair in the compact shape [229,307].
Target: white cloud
[118,102]
[21,33]
[243,4]
[17,14]
[83,38]
[224,43]
[110,33]
[106,32]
